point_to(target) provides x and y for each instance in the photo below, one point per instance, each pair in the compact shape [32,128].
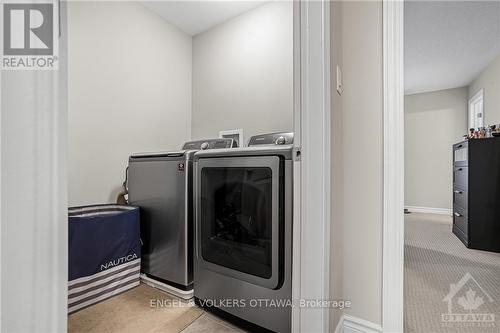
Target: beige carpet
[132,312]
[434,259]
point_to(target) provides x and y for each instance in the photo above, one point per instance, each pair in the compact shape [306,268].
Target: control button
[280,140]
[204,145]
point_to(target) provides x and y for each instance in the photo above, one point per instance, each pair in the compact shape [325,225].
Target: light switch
[339,80]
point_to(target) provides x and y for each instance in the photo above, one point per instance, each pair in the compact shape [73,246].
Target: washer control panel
[209,144]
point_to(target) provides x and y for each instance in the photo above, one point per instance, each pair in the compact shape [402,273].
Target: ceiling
[448,43]
[194,17]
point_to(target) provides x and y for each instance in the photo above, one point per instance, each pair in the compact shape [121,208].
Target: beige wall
[489,80]
[129,91]
[433,122]
[357,164]
[337,164]
[243,73]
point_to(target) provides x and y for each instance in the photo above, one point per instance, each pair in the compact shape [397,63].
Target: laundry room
[180,165]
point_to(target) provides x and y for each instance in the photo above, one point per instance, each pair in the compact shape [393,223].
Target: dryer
[243,228]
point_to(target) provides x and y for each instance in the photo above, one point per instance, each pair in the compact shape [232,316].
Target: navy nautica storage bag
[104,253]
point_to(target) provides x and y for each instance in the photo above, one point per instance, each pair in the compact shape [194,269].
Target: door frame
[393,186]
[471,114]
[311,230]
[311,227]
[45,255]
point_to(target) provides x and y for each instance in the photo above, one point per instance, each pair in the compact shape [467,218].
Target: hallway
[434,259]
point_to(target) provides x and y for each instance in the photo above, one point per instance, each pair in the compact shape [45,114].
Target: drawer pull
[459,146]
[458,192]
[459,169]
[457,214]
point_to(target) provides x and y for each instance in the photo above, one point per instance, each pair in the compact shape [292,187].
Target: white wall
[357,174]
[243,73]
[129,91]
[434,121]
[489,80]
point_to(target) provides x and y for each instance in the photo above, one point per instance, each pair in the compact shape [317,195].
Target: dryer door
[239,224]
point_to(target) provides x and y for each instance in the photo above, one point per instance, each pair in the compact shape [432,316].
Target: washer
[161,185]
[243,219]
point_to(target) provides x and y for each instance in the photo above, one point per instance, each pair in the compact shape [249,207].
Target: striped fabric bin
[104,253]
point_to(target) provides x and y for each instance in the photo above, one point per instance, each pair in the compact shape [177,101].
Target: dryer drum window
[236,231]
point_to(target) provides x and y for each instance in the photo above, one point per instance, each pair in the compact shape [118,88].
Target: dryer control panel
[271,139]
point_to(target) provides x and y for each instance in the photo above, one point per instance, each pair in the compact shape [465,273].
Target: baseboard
[184,294]
[429,210]
[350,324]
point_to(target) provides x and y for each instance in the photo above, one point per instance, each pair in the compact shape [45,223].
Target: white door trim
[478,97]
[311,231]
[393,222]
[1,298]
[35,276]
[350,324]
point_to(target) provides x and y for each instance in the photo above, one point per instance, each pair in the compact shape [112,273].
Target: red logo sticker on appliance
[181,166]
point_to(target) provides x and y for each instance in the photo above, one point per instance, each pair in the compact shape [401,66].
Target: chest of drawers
[476,193]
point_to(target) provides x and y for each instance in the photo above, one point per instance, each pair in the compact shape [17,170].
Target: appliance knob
[281,140]
[204,146]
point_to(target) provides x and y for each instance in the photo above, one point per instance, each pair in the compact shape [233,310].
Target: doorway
[450,268]
[312,102]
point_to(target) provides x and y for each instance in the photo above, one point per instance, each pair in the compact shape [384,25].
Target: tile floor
[146,310]
[208,323]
